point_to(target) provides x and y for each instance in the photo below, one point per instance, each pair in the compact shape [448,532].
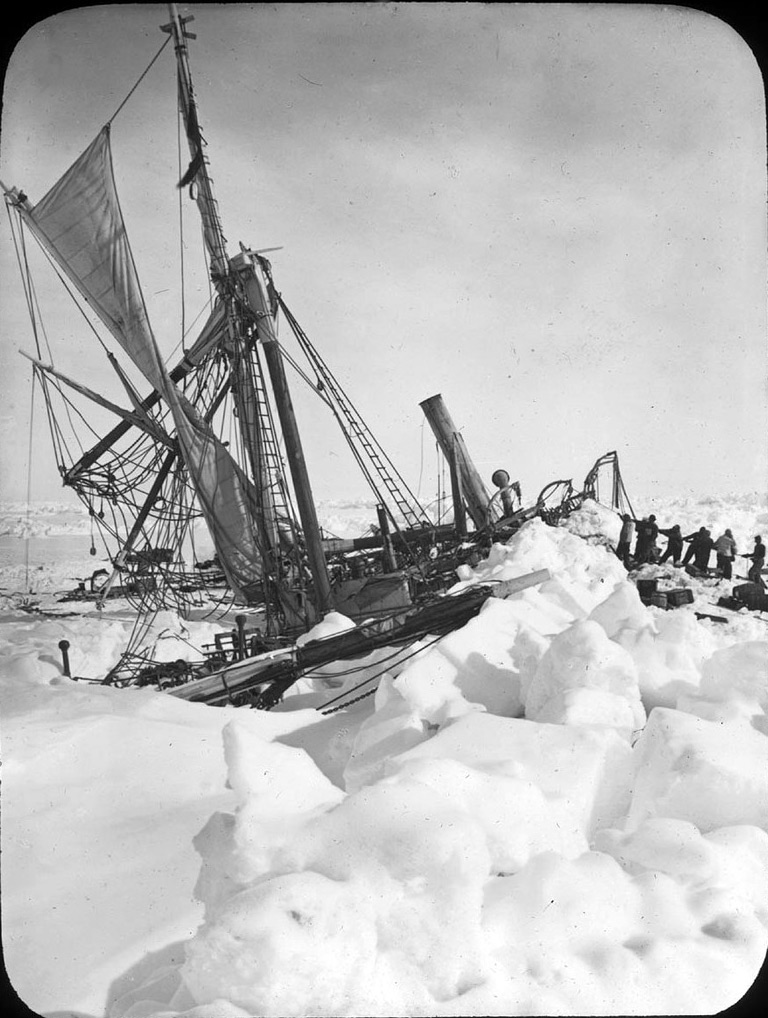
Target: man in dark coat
[674,544]
[647,532]
[703,549]
[693,538]
[625,539]
[757,555]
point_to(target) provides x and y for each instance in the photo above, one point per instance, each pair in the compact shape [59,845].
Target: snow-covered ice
[561,808]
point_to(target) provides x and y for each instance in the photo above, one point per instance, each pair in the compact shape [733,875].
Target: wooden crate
[752,595]
[646,589]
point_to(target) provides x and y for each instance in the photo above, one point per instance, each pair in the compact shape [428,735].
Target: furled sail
[214,239]
[211,335]
[79,221]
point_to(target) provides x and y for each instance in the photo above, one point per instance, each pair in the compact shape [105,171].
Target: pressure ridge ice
[561,808]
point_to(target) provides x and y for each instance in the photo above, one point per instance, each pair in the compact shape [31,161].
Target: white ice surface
[559,809]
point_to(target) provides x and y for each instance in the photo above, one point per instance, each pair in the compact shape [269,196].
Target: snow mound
[709,773]
[559,808]
[582,660]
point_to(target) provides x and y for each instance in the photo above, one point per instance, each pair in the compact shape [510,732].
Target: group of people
[700,547]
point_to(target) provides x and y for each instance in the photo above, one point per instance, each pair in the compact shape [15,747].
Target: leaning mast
[198,170]
[237,281]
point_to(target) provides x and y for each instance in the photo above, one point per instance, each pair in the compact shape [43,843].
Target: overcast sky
[553,215]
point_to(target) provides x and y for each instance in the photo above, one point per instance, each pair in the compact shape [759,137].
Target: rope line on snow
[349,703]
[376,675]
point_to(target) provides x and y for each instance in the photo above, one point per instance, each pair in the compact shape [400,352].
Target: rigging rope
[356,669]
[141,78]
[26,279]
[181,228]
[33,309]
[395,484]
[421,460]
[75,299]
[376,675]
[29,481]
[116,484]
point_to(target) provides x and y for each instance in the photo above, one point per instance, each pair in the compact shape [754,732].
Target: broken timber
[279,669]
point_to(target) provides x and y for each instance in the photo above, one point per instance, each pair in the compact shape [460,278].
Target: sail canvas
[80,222]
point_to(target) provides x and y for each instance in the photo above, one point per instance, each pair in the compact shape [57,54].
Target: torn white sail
[79,221]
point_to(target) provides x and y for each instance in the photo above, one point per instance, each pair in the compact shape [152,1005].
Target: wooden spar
[518,583]
[218,686]
[206,203]
[138,524]
[285,666]
[221,272]
[130,416]
[341,545]
[449,613]
[191,360]
[401,539]
[449,439]
[256,298]
[300,475]
[152,498]
[247,390]
[222,276]
[138,410]
[106,443]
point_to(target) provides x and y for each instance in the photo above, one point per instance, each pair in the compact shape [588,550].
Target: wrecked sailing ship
[167,463]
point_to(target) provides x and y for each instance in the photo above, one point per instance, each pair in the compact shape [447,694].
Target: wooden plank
[285,666]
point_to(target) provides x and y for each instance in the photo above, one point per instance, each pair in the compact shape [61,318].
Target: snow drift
[559,809]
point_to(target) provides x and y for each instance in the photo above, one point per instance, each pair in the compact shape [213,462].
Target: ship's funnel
[452,445]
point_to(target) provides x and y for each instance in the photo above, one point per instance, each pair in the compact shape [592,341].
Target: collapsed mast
[255,300]
[163,465]
[178,468]
[251,315]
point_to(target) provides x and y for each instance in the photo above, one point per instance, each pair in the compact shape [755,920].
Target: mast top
[176,25]
[197,171]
